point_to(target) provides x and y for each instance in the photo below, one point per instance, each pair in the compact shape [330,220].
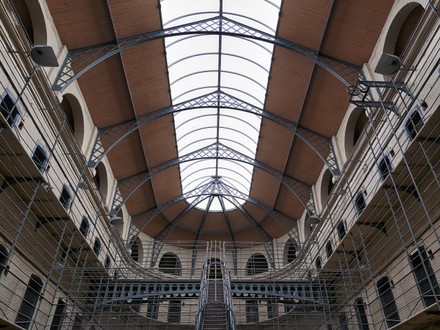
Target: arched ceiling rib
[299,92]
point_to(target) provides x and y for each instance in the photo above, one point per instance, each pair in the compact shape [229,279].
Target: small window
[58,317]
[360,203]
[97,246]
[318,264]
[29,302]
[340,228]
[3,259]
[387,301]
[328,249]
[414,124]
[425,277]
[66,197]
[107,262]
[384,166]
[9,109]
[40,158]
[174,311]
[252,311]
[361,315]
[84,226]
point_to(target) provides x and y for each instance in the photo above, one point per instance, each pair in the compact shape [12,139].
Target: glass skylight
[209,63]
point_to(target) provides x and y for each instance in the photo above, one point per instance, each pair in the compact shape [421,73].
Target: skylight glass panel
[216,63]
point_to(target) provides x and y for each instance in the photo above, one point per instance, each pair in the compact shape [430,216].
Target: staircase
[215,300]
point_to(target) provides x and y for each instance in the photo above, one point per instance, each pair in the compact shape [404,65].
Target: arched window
[59,314]
[318,263]
[136,250]
[100,179]
[326,186]
[384,166]
[340,229]
[40,157]
[215,269]
[84,226]
[290,251]
[257,264]
[29,302]
[10,109]
[387,301]
[361,315]
[97,246]
[3,258]
[328,249]
[359,203]
[170,264]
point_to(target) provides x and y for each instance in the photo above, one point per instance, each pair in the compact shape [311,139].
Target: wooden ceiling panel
[274,144]
[179,234]
[135,16]
[141,200]
[105,90]
[273,228]
[326,104]
[154,227]
[126,157]
[264,187]
[306,170]
[82,23]
[216,223]
[288,204]
[166,185]
[147,77]
[354,29]
[303,22]
[287,84]
[159,141]
[249,235]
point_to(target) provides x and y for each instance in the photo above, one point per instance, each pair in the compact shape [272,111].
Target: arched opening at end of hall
[256,264]
[356,125]
[170,264]
[290,250]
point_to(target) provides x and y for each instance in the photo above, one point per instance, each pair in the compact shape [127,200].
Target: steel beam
[214,151]
[108,137]
[81,60]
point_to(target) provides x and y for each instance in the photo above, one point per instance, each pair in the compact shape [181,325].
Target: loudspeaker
[388,64]
[44,56]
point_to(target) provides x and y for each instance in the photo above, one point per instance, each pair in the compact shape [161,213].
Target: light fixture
[44,56]
[116,220]
[314,219]
[388,64]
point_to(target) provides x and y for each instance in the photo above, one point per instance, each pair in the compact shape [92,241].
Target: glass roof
[201,64]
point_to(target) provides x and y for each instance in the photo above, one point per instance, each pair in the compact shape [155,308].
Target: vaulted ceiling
[304,106]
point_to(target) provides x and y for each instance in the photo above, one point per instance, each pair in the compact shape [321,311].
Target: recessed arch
[402,27]
[101,179]
[325,187]
[74,116]
[354,128]
[170,264]
[136,252]
[256,264]
[290,251]
[32,19]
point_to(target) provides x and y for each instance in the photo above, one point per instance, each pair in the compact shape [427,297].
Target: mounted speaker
[388,64]
[44,56]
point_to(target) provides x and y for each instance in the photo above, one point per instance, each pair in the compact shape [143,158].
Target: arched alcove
[402,28]
[256,264]
[353,131]
[170,264]
[75,119]
[325,187]
[137,250]
[290,250]
[101,179]
[31,17]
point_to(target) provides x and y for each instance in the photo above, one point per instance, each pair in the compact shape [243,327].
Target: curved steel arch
[109,137]
[86,58]
[141,220]
[129,185]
